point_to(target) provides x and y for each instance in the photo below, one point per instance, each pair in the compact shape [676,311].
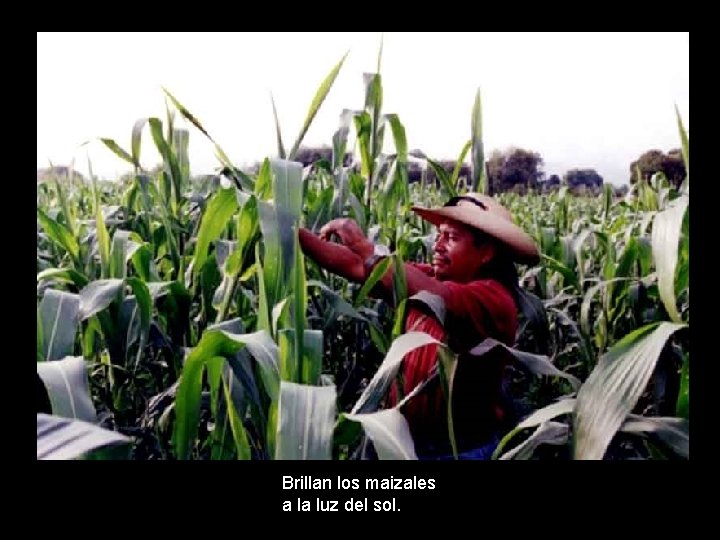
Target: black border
[475,490]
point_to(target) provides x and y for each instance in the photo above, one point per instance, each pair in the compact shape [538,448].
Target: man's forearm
[416,281]
[342,261]
[336,258]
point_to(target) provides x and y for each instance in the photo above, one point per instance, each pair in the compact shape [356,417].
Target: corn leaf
[614,387]
[306,418]
[673,432]
[389,432]
[281,146]
[317,101]
[535,363]
[667,227]
[548,433]
[479,176]
[61,439]
[98,295]
[66,383]
[61,235]
[218,343]
[59,319]
[685,145]
[380,383]
[220,209]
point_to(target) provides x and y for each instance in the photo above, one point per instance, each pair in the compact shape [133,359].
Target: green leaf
[264,181]
[143,305]
[306,419]
[186,114]
[242,446]
[60,439]
[288,195]
[40,347]
[389,433]
[281,146]
[117,150]
[169,158]
[585,312]
[540,416]
[363,131]
[317,101]
[263,315]
[667,226]
[340,141]
[375,276]
[673,432]
[312,357]
[65,206]
[135,140]
[219,210]
[65,274]
[442,175]
[144,265]
[535,317]
[59,320]
[685,145]
[212,344]
[452,192]
[614,387]
[568,274]
[378,386]
[121,252]
[373,106]
[101,233]
[61,235]
[299,305]
[478,155]
[66,382]
[683,401]
[432,302]
[535,363]
[398,131]
[98,295]
[548,433]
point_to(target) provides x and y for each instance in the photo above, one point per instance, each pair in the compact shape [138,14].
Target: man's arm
[347,259]
[417,281]
[336,258]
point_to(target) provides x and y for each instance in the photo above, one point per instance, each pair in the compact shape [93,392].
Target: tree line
[520,169]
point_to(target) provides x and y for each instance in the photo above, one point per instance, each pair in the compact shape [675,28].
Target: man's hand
[350,235]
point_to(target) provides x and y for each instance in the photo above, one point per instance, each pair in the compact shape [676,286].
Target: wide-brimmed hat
[486,214]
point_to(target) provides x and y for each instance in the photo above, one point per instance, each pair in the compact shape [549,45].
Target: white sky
[595,100]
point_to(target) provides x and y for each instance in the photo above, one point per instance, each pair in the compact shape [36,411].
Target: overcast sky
[582,100]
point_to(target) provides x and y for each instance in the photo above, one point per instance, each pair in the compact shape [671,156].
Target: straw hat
[486,214]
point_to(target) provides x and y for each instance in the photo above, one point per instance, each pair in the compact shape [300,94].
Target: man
[473,271]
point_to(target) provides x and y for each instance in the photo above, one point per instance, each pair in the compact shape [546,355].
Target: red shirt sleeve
[487,304]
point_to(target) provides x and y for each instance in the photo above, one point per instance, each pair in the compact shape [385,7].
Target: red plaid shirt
[474,311]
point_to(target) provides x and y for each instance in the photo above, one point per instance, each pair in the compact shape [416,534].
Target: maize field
[177,317]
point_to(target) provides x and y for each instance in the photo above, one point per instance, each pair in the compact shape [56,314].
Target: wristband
[379,252]
[370,263]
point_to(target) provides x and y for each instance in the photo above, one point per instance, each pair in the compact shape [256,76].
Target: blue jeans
[483,453]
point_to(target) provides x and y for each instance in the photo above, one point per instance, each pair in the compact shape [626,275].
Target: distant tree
[61,172]
[586,177]
[653,161]
[513,167]
[621,191]
[415,171]
[308,155]
[551,184]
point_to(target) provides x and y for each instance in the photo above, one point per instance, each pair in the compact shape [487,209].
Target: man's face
[457,257]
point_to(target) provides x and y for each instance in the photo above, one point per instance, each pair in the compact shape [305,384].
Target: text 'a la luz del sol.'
[359,504]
